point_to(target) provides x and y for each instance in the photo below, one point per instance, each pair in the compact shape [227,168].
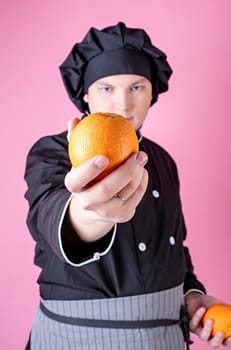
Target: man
[115,273]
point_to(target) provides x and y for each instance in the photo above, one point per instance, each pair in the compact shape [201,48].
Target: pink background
[192,121]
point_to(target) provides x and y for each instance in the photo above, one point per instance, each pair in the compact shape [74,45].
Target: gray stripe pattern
[48,334]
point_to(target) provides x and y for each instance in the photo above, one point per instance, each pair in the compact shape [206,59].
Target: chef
[115,273]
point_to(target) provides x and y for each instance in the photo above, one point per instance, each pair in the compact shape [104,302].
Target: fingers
[128,190]
[79,177]
[195,322]
[195,325]
[124,180]
[118,210]
[204,332]
[134,199]
[227,342]
[217,340]
[129,180]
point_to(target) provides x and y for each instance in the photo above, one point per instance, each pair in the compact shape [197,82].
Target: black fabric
[184,324]
[101,42]
[118,61]
[28,346]
[124,270]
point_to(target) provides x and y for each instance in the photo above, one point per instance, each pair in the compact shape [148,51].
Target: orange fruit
[221,315]
[107,134]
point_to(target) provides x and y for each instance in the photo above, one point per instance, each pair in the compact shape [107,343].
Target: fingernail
[209,323]
[220,334]
[141,158]
[101,161]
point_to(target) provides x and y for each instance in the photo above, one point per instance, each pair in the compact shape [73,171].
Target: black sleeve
[191,282]
[46,167]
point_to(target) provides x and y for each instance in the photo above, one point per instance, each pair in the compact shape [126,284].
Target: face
[126,94]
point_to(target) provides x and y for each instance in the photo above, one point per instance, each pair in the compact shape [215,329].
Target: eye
[106,88]
[137,87]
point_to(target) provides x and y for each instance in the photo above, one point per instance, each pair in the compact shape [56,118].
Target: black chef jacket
[144,255]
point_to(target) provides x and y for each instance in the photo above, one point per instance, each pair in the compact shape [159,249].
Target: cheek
[143,111]
[100,104]
[145,104]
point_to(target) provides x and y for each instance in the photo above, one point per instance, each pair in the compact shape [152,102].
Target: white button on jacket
[156,194]
[142,246]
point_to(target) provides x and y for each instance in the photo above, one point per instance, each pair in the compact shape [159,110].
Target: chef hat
[113,50]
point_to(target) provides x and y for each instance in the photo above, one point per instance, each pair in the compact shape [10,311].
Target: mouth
[128,118]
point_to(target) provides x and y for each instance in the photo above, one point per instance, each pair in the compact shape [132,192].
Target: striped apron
[140,322]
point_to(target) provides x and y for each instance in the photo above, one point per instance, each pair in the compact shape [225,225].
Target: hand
[197,305]
[95,209]
[71,124]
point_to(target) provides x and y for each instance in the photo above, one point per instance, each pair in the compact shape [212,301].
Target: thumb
[70,126]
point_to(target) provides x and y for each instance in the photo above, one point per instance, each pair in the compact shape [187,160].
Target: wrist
[86,225]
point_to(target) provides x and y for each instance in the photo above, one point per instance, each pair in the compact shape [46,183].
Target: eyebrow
[141,80]
[103,82]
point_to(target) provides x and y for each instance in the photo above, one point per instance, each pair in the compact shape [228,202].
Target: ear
[85,98]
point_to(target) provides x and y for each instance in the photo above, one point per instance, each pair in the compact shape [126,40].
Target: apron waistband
[124,324]
[99,323]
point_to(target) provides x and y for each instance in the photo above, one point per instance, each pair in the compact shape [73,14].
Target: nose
[123,103]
